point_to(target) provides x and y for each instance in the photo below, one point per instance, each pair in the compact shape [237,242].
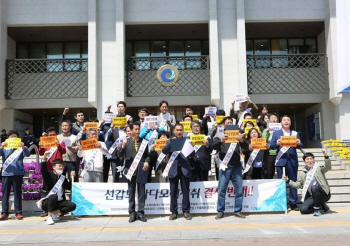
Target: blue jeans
[235,175]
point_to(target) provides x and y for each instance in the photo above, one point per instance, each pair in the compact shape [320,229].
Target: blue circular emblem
[168,75]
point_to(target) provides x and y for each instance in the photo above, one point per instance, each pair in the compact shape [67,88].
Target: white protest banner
[107,117]
[112,198]
[211,111]
[151,120]
[240,98]
[187,149]
[274,127]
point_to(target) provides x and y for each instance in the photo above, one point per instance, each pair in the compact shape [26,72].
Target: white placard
[150,120]
[107,117]
[211,111]
[274,127]
[187,149]
[112,198]
[67,142]
[241,98]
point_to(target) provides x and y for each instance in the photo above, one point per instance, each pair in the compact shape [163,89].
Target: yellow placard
[232,136]
[289,141]
[160,143]
[246,130]
[194,116]
[48,142]
[259,143]
[119,121]
[197,139]
[12,143]
[251,120]
[186,125]
[89,125]
[89,143]
[219,118]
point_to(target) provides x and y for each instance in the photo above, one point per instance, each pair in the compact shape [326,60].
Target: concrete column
[3,52]
[214,54]
[92,50]
[120,79]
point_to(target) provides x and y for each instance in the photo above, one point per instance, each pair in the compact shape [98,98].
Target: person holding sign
[244,107]
[92,155]
[270,155]
[167,120]
[178,169]
[312,180]
[121,105]
[253,157]
[136,170]
[143,112]
[230,168]
[56,151]
[12,172]
[202,158]
[162,159]
[55,203]
[287,156]
[72,145]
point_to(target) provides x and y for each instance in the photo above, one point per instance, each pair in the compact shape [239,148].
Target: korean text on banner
[194,116]
[259,143]
[211,111]
[151,120]
[119,121]
[251,120]
[186,125]
[240,98]
[160,143]
[197,139]
[89,143]
[219,118]
[90,125]
[274,127]
[289,141]
[12,143]
[107,117]
[232,136]
[48,142]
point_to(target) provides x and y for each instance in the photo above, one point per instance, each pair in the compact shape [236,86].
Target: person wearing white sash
[167,120]
[244,107]
[137,158]
[93,159]
[56,204]
[161,160]
[12,175]
[230,169]
[179,170]
[253,158]
[312,179]
[271,154]
[56,152]
[72,146]
[202,157]
[287,157]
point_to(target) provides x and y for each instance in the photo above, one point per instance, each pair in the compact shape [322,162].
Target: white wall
[3,52]
[342,117]
[285,10]
[165,11]
[47,12]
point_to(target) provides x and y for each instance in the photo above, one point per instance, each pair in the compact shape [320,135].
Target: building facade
[88,54]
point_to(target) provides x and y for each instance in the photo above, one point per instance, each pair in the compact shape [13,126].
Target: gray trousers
[93,176]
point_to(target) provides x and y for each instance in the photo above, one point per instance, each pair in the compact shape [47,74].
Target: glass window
[310,45]
[128,55]
[37,51]
[72,51]
[193,48]
[84,54]
[249,51]
[205,47]
[296,46]
[159,50]
[22,51]
[279,47]
[262,47]
[142,49]
[54,51]
[177,48]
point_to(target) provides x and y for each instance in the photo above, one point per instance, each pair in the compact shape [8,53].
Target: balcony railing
[46,78]
[141,75]
[269,74]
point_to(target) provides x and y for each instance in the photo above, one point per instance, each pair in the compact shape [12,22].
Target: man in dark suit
[289,159]
[202,158]
[130,148]
[179,170]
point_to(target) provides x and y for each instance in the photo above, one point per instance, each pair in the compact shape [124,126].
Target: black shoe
[141,217]
[173,217]
[239,215]
[219,216]
[294,207]
[132,218]
[187,216]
